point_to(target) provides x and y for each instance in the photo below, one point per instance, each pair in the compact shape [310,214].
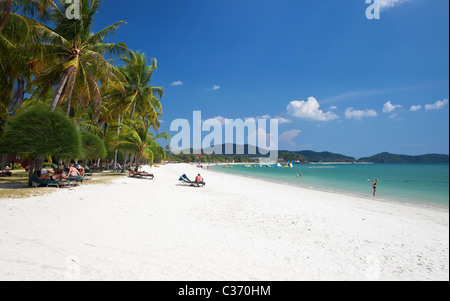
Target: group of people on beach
[57,173]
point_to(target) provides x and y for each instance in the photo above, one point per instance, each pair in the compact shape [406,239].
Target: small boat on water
[228,166]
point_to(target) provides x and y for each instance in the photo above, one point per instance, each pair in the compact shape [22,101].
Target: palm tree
[27,7]
[138,141]
[17,64]
[141,98]
[76,57]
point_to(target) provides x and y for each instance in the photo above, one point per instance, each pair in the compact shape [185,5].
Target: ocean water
[425,184]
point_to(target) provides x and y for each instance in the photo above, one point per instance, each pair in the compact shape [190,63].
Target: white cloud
[215,87]
[288,136]
[359,114]
[281,120]
[220,119]
[177,83]
[333,108]
[437,105]
[389,107]
[393,115]
[309,110]
[416,108]
[391,3]
[261,135]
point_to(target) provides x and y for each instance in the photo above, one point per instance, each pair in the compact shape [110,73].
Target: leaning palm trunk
[4,14]
[71,84]
[55,102]
[62,84]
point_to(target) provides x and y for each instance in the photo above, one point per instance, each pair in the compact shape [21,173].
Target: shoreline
[344,193]
[234,229]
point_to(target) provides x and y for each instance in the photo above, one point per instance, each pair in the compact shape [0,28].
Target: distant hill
[312,156]
[393,158]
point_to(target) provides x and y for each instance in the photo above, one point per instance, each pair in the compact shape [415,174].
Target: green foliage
[40,132]
[138,141]
[290,156]
[93,146]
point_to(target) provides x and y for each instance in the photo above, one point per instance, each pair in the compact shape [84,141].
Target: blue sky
[336,80]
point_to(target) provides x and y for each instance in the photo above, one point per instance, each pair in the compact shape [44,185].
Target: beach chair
[5,173]
[140,175]
[185,180]
[36,182]
[114,169]
[78,179]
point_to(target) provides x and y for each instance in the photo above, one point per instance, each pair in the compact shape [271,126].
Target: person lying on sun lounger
[5,173]
[48,176]
[198,181]
[138,174]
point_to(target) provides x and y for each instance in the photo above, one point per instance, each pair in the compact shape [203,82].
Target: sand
[234,229]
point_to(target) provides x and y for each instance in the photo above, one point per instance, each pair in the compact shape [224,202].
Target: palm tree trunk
[125,159]
[5,156]
[6,11]
[62,84]
[118,133]
[137,163]
[31,172]
[71,84]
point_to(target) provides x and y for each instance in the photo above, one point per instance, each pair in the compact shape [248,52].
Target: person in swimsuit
[80,170]
[73,172]
[374,186]
[47,176]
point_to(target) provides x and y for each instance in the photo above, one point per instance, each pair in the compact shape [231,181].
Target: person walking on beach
[374,186]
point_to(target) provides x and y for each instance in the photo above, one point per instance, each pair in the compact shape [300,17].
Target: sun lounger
[5,173]
[77,179]
[141,175]
[48,183]
[185,180]
[114,169]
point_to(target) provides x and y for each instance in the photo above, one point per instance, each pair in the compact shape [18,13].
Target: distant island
[315,157]
[392,158]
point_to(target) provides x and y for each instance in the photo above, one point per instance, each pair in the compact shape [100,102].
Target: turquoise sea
[425,184]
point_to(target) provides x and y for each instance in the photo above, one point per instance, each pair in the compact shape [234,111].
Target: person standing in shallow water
[374,186]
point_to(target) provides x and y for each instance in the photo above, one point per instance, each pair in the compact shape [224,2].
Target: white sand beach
[235,228]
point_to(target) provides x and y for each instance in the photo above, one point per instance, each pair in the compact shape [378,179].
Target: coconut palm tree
[17,64]
[141,98]
[138,141]
[27,7]
[76,57]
